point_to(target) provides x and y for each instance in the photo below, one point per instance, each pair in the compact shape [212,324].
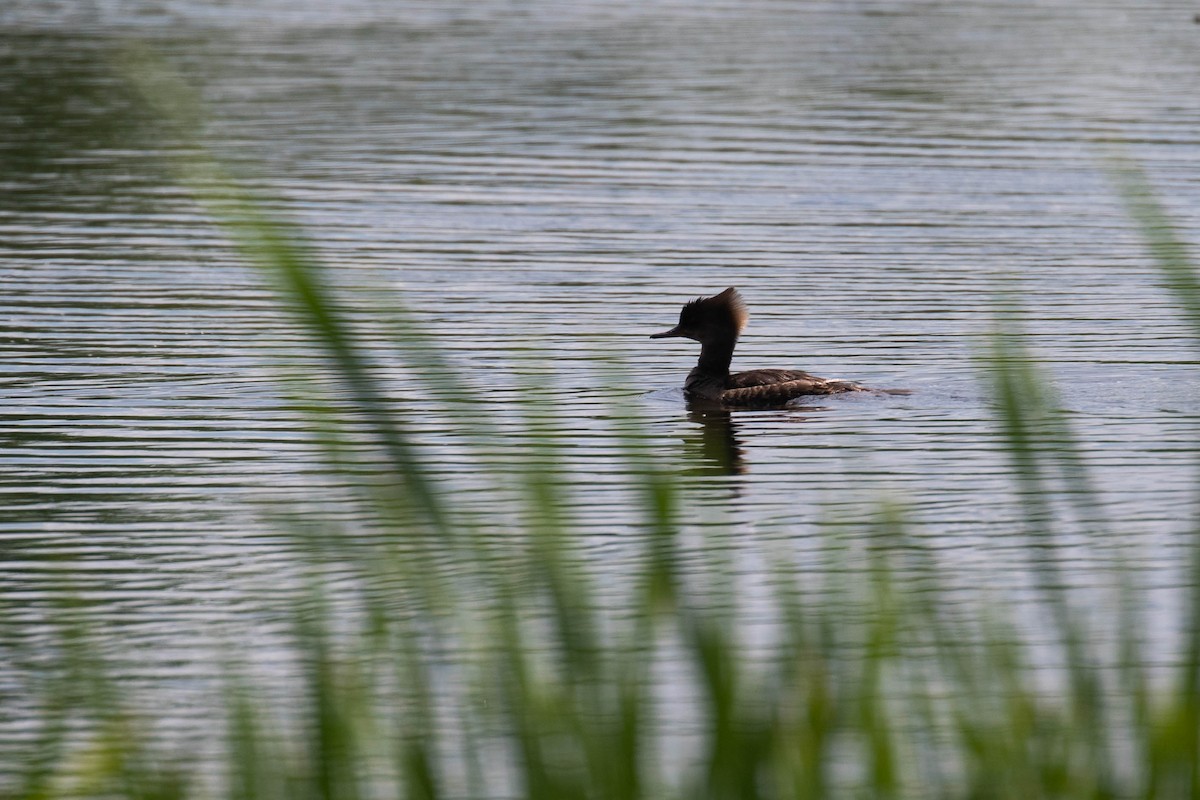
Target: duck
[716,323]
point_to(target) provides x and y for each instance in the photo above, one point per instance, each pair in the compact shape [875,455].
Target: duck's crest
[728,303]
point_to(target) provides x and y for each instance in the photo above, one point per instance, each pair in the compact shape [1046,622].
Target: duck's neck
[715,357]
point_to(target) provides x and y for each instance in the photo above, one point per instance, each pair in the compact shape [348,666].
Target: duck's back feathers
[778,393]
[758,377]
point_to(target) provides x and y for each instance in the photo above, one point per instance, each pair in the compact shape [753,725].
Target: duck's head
[710,319]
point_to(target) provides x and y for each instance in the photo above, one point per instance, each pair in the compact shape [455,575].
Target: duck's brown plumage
[716,322]
[759,377]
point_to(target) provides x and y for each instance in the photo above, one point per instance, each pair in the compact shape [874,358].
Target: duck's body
[716,322]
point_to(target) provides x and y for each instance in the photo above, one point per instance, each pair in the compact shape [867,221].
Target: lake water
[543,183]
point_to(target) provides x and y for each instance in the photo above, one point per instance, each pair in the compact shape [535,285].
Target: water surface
[547,183]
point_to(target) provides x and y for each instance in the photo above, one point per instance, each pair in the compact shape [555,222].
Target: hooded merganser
[715,323]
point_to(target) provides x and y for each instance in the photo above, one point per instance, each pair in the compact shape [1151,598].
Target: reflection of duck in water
[715,323]
[718,449]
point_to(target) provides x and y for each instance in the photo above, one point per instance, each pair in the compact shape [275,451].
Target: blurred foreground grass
[484,663]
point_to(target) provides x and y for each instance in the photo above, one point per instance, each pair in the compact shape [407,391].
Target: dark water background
[545,182]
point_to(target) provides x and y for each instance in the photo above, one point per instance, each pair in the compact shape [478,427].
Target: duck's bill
[666,334]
